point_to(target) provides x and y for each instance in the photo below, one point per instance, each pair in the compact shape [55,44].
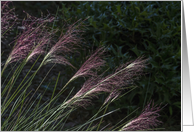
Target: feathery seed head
[65,45]
[8,17]
[112,84]
[146,120]
[94,62]
[32,41]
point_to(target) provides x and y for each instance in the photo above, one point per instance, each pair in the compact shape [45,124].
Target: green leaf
[135,50]
[137,8]
[177,104]
[170,110]
[159,80]
[119,8]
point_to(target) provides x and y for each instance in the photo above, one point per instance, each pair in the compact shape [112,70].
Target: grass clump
[38,45]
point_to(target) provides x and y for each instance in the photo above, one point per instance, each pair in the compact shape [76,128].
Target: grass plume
[20,112]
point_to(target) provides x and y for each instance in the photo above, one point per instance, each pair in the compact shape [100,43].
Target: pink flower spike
[146,120]
[32,41]
[94,62]
[112,84]
[8,17]
[65,45]
[124,75]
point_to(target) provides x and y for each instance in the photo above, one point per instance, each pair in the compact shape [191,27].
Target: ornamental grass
[21,107]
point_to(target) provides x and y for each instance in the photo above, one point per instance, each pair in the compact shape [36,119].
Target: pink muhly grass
[65,45]
[32,41]
[113,84]
[8,17]
[94,62]
[146,120]
[124,75]
[90,66]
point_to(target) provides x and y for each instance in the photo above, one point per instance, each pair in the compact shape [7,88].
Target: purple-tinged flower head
[93,63]
[66,44]
[112,84]
[146,120]
[32,41]
[8,17]
[124,75]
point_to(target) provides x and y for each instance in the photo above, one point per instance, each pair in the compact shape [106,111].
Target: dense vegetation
[128,30]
